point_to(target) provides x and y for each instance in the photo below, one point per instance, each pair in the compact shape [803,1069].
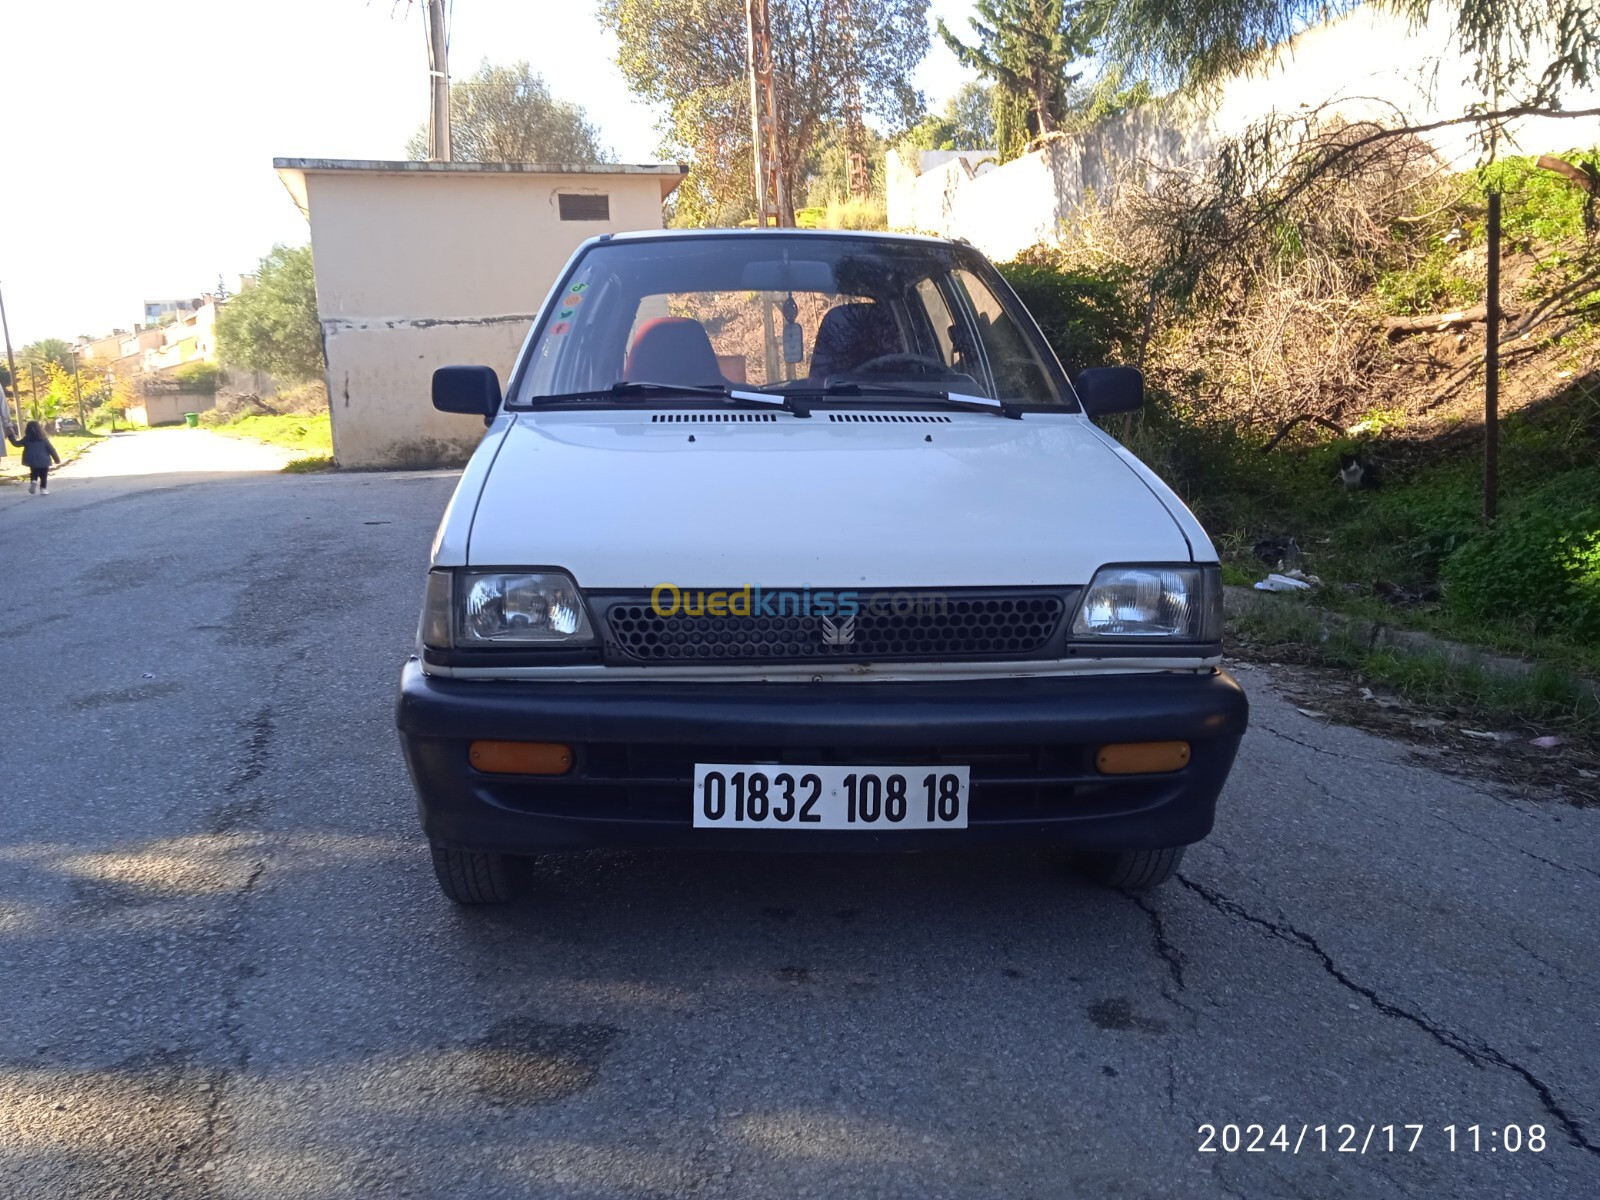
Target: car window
[1012,355]
[807,312]
[756,338]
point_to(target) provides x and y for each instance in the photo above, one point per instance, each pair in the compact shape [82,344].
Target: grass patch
[312,434]
[310,464]
[1547,696]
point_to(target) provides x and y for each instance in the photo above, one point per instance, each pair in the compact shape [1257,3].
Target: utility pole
[77,387]
[854,135]
[11,367]
[758,131]
[771,189]
[438,82]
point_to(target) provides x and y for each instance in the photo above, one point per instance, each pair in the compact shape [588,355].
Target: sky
[140,137]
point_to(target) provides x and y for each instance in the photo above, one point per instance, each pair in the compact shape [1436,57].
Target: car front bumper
[1030,743]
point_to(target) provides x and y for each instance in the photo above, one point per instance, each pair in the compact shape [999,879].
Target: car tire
[1133,870]
[469,877]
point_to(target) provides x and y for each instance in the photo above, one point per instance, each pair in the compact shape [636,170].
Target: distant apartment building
[174,334]
[157,312]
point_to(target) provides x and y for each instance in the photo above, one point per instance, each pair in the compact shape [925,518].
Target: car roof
[875,235]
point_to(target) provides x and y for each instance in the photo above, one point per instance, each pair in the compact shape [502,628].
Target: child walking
[37,455]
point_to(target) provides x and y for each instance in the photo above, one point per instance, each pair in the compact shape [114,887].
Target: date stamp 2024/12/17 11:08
[1370,1139]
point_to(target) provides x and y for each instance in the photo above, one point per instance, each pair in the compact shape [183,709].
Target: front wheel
[1133,870]
[469,877]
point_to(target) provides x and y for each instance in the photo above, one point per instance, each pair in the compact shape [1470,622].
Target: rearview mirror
[784,276]
[1107,390]
[474,390]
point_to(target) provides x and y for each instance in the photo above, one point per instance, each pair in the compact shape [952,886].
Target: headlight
[499,608]
[1152,602]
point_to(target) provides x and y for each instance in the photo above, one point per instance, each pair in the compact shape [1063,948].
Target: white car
[786,540]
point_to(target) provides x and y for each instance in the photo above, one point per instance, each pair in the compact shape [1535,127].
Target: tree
[965,123]
[689,57]
[971,115]
[56,350]
[1025,47]
[273,327]
[507,114]
[1526,53]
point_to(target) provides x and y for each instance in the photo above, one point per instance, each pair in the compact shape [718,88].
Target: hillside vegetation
[1277,320]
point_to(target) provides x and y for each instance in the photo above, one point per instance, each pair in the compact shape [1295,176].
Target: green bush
[1535,572]
[198,377]
[1539,566]
[1088,317]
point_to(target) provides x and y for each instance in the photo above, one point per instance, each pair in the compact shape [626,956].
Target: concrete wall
[1368,65]
[167,408]
[416,271]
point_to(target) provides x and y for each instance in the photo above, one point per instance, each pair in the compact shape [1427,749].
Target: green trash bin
[192,420]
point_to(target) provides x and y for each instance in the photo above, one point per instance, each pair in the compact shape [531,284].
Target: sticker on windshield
[566,314]
[580,287]
[573,299]
[559,328]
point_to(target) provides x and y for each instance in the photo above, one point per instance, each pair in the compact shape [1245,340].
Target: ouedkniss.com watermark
[670,600]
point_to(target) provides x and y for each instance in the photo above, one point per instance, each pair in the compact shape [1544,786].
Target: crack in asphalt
[1500,845]
[1169,953]
[1278,733]
[1554,968]
[218,1125]
[1479,1054]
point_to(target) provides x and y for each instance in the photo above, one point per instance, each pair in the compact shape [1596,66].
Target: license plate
[770,796]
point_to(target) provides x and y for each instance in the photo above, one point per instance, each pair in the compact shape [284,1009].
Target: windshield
[857,319]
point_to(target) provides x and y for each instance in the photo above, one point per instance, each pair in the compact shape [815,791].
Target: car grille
[968,624]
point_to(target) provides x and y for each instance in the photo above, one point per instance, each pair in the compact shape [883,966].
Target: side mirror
[474,390]
[1107,390]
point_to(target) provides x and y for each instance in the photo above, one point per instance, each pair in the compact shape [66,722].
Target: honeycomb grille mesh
[1016,627]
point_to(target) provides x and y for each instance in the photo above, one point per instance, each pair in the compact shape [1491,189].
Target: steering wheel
[886,363]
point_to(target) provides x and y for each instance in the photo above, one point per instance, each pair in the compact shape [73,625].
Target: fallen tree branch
[1584,175]
[1442,322]
[1303,417]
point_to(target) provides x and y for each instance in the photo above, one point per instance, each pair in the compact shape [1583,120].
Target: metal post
[77,387]
[11,366]
[438,83]
[1491,365]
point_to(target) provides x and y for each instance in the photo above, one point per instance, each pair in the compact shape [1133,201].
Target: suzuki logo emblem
[841,634]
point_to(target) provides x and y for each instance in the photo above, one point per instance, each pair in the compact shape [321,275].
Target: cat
[1358,473]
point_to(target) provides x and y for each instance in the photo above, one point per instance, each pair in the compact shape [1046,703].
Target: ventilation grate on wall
[580,207]
[716,418]
[890,418]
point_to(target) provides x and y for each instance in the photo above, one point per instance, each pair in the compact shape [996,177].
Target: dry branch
[1584,176]
[1442,322]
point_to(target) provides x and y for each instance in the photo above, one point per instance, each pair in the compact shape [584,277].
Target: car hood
[635,498]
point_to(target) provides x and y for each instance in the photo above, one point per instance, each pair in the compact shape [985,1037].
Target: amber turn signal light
[521,758]
[1142,758]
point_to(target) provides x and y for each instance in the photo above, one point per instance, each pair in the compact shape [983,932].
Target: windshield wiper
[640,389]
[962,400]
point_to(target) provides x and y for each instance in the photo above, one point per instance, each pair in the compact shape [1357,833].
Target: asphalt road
[225,970]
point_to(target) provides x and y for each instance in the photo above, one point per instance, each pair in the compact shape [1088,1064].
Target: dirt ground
[1441,738]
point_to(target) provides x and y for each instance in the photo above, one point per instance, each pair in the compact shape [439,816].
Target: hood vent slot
[716,418]
[890,418]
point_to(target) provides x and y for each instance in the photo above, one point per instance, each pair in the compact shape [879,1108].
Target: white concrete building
[422,264]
